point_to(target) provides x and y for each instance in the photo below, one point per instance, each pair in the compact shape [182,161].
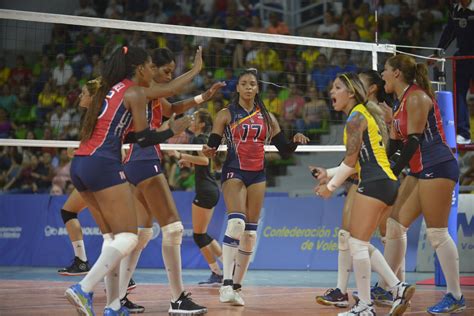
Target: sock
[396,245]
[344,261]
[112,284]
[129,263]
[171,248]
[401,272]
[233,233]
[79,249]
[244,253]
[381,266]
[215,268]
[448,257]
[362,268]
[109,258]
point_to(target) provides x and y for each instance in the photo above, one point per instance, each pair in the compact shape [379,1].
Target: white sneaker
[360,309]
[238,300]
[461,140]
[226,294]
[402,293]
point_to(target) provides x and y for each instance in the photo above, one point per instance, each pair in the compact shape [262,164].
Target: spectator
[59,121]
[8,100]
[268,62]
[41,175]
[21,74]
[42,74]
[329,28]
[342,63]
[62,72]
[56,190]
[292,110]
[7,128]
[309,56]
[46,101]
[136,9]
[231,83]
[180,18]
[405,28]
[115,10]
[4,72]
[155,15]
[346,27]
[322,74]
[85,9]
[256,25]
[365,23]
[61,174]
[272,103]
[277,26]
[461,27]
[13,173]
[315,111]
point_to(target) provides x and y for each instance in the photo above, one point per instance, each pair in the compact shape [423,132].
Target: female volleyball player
[247,126]
[143,170]
[365,154]
[207,195]
[97,171]
[374,86]
[417,128]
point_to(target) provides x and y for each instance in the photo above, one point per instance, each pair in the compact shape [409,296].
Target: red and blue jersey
[154,112]
[433,148]
[245,137]
[113,121]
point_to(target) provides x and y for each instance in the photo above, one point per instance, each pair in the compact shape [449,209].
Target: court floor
[39,291]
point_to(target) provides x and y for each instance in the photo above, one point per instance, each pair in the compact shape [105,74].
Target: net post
[445,101]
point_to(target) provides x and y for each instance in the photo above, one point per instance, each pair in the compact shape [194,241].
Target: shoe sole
[400,309]
[136,311]
[328,303]
[209,284]
[383,303]
[73,273]
[174,312]
[131,288]
[76,302]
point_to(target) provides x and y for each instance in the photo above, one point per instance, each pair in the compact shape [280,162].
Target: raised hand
[212,90]
[300,139]
[318,172]
[178,126]
[198,60]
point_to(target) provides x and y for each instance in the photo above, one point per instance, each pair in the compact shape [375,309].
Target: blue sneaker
[378,295]
[80,299]
[123,311]
[214,280]
[448,305]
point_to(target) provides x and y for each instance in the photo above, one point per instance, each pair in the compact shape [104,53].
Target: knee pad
[108,238]
[67,216]
[144,236]
[172,234]
[124,242]
[395,230]
[248,241]
[202,240]
[235,226]
[343,239]
[437,236]
[359,249]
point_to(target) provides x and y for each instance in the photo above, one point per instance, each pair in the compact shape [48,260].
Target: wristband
[331,171]
[343,172]
[199,99]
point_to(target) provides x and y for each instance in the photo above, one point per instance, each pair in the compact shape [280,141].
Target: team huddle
[126,193]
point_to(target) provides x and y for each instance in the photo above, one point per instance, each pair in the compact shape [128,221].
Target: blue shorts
[92,173]
[448,170]
[140,170]
[207,196]
[247,177]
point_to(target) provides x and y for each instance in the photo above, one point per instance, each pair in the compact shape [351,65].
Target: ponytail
[422,79]
[122,64]
[378,115]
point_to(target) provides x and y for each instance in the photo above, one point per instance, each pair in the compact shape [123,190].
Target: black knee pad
[202,240]
[67,216]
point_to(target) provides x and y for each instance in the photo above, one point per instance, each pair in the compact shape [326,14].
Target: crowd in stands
[39,92]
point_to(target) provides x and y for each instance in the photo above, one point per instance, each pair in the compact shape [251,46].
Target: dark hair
[375,78]
[162,56]
[121,64]
[412,72]
[258,101]
[205,117]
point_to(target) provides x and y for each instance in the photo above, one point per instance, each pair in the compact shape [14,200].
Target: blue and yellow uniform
[376,178]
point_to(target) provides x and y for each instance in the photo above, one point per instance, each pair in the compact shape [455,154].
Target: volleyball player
[207,196]
[364,136]
[97,171]
[417,129]
[247,126]
[143,169]
[374,86]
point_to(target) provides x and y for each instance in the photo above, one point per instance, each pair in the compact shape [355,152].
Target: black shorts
[207,196]
[384,190]
[446,170]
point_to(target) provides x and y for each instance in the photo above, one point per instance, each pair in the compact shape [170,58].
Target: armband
[214,140]
[407,152]
[343,172]
[282,144]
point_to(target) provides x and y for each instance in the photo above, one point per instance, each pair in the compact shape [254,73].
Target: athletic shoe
[77,267]
[448,305]
[185,305]
[131,285]
[333,297]
[214,280]
[360,309]
[402,293]
[462,140]
[81,300]
[226,294]
[131,306]
[238,300]
[378,295]
[123,311]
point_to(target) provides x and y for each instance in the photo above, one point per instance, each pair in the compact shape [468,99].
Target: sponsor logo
[50,231]
[10,232]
